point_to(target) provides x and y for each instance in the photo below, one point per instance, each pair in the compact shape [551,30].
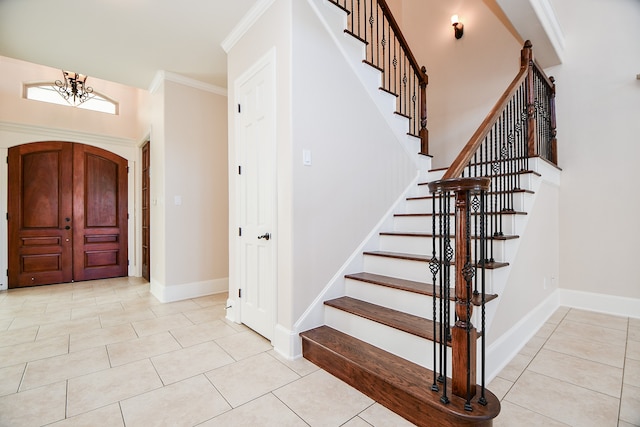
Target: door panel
[256,130]
[67,210]
[146,213]
[99,214]
[39,205]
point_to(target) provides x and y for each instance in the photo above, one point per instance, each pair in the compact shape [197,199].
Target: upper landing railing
[387,50]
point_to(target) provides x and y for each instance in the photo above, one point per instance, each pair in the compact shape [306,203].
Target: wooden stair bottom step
[402,386]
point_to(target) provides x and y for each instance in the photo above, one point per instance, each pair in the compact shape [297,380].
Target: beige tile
[634,333]
[160,324]
[124,352]
[585,373]
[321,399]
[60,368]
[108,416]
[592,332]
[533,346]
[300,366]
[598,319]
[197,334]
[607,354]
[378,415]
[113,319]
[68,327]
[99,389]
[174,307]
[266,411]
[356,422]
[516,416]
[185,403]
[27,352]
[36,407]
[250,378]
[70,305]
[546,330]
[18,336]
[198,359]
[207,314]
[500,387]
[10,378]
[244,344]
[633,350]
[563,401]
[632,372]
[96,310]
[40,319]
[558,316]
[515,368]
[4,324]
[626,424]
[630,404]
[8,312]
[210,300]
[101,337]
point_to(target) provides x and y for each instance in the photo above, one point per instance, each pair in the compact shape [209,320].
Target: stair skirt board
[401,386]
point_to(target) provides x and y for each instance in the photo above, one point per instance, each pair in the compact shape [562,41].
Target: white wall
[359,167]
[466,76]
[598,110]
[189,228]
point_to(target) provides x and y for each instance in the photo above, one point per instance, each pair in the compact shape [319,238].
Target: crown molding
[163,75]
[65,134]
[245,23]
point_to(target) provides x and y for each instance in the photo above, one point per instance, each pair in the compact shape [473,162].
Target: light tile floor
[107,353]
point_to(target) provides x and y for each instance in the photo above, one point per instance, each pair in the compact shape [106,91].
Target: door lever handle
[265,236]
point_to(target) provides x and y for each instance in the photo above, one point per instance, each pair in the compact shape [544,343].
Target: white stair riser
[410,347]
[424,246]
[424,224]
[413,270]
[425,206]
[526,183]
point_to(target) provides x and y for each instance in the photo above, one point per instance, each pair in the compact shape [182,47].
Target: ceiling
[124,41]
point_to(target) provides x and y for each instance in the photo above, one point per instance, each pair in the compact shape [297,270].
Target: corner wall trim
[245,23]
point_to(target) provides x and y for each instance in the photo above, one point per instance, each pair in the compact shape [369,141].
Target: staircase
[384,336]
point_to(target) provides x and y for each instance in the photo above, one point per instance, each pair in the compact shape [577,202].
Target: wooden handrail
[458,165]
[529,71]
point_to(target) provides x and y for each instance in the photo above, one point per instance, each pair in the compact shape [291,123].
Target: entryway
[67,213]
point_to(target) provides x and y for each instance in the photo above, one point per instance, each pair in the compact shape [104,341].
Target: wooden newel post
[463,334]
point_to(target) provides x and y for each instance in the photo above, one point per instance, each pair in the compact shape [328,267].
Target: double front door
[67,214]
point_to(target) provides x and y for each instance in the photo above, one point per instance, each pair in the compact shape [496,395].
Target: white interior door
[256,132]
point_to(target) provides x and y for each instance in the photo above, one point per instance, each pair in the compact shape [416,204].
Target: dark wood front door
[67,213]
[146,212]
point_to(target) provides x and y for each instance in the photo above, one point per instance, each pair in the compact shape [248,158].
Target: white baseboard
[602,303]
[287,343]
[171,293]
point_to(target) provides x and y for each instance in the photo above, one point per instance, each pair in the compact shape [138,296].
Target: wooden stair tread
[426,258]
[414,325]
[421,288]
[400,385]
[420,234]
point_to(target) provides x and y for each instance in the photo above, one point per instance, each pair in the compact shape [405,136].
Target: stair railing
[481,183]
[387,50]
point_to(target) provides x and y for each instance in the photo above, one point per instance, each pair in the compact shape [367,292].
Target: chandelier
[73,88]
